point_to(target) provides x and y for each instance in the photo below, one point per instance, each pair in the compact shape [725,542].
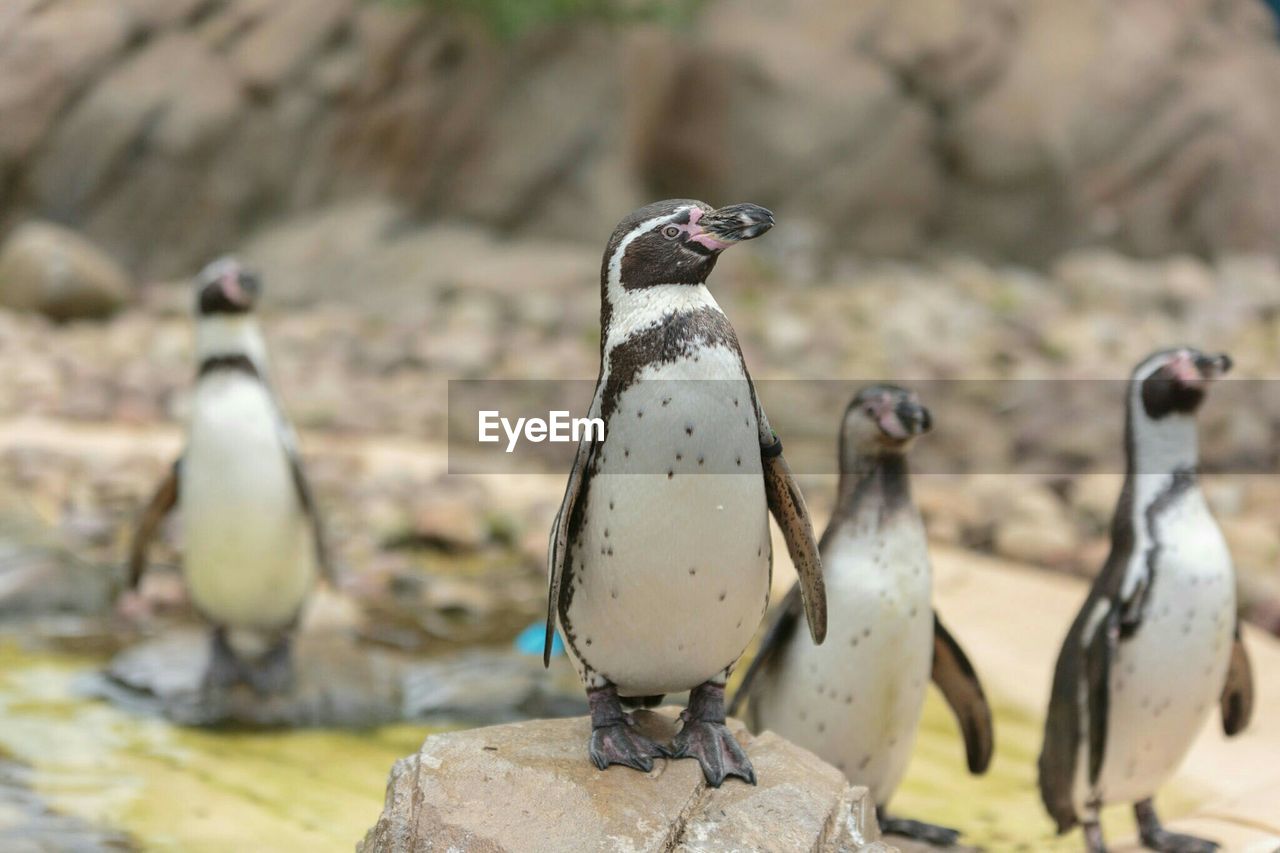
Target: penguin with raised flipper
[660,555]
[856,701]
[1157,643]
[253,539]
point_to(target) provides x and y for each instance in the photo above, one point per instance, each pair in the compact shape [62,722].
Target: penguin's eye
[671,232]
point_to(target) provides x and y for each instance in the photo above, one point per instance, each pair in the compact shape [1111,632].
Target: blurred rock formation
[168,130]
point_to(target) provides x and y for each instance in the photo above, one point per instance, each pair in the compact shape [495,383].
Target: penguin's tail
[643,701]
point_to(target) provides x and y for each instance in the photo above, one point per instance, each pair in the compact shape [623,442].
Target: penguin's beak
[914,417]
[1194,369]
[733,224]
[901,419]
[240,286]
[1212,366]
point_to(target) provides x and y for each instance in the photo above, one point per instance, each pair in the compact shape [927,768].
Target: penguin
[1157,641]
[659,557]
[254,543]
[856,701]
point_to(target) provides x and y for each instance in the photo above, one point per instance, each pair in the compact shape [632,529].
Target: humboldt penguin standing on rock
[253,542]
[660,555]
[1157,643]
[856,701]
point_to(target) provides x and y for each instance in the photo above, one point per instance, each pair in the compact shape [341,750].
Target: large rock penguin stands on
[1157,643]
[660,555]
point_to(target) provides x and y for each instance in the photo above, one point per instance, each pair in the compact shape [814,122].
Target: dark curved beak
[737,222]
[914,417]
[1212,366]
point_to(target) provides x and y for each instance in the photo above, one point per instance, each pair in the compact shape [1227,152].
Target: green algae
[171,788]
[1001,809]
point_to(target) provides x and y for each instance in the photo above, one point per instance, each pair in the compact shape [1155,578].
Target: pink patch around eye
[697,235]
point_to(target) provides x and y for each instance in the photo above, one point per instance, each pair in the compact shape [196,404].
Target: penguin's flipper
[958,682]
[775,640]
[558,543]
[162,503]
[1237,693]
[1099,652]
[787,505]
[307,499]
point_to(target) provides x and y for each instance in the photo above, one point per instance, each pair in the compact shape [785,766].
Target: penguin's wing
[787,505]
[1237,693]
[1085,661]
[162,503]
[958,682]
[306,497]
[558,542]
[775,640]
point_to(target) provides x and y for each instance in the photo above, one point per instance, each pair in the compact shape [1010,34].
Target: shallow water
[172,788]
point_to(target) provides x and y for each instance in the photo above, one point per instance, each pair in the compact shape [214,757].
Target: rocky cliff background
[170,130]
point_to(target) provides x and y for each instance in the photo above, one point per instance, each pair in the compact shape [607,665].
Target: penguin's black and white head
[1174,381]
[226,325]
[882,419]
[226,287]
[1165,391]
[677,242]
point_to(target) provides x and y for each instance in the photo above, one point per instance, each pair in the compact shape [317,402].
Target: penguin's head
[677,241]
[882,419]
[226,287]
[1174,381]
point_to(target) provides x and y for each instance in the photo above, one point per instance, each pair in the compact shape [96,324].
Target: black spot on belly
[670,473]
[854,642]
[688,429]
[866,760]
[822,727]
[722,595]
[692,570]
[639,413]
[866,632]
[666,400]
[588,641]
[848,699]
[700,459]
[679,456]
[739,461]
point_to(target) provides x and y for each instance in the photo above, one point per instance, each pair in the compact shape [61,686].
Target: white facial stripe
[615,262]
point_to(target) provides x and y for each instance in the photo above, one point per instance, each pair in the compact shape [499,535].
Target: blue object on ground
[531,640]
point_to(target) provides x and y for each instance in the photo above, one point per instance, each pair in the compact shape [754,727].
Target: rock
[56,272]
[530,786]
[337,683]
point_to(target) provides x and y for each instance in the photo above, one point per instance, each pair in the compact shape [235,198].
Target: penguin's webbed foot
[918,830]
[1156,837]
[273,673]
[613,737]
[705,737]
[1174,842]
[224,670]
[619,743]
[716,749]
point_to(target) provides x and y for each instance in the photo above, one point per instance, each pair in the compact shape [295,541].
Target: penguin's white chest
[855,701]
[671,567]
[1168,676]
[249,557]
